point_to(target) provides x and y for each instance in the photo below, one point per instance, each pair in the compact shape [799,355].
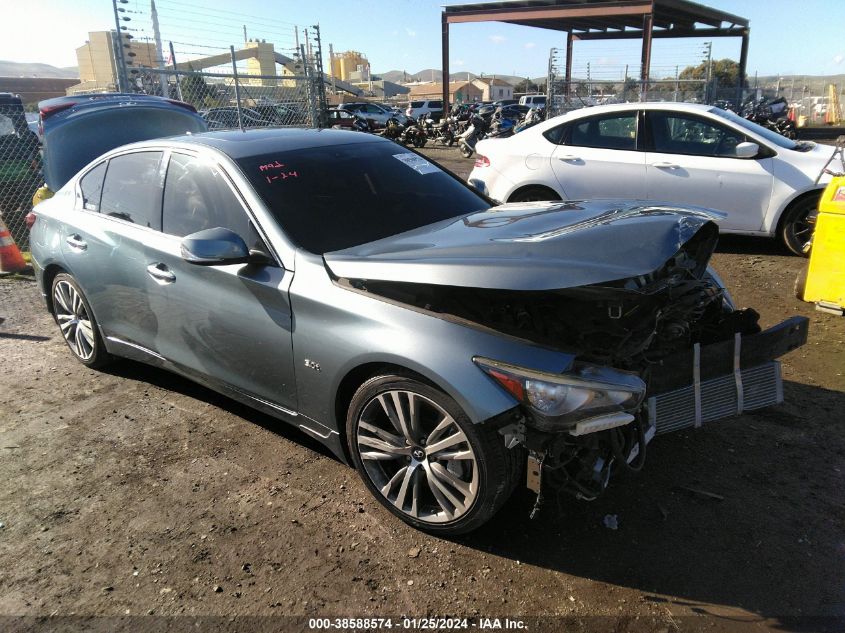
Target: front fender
[341,329]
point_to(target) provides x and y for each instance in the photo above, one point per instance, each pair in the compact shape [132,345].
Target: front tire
[534,194]
[76,322]
[424,460]
[796,228]
[465,150]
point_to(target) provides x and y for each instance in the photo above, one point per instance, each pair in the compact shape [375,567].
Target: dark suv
[20,161]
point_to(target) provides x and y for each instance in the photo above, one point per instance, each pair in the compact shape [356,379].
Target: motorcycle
[477,129]
[413,134]
[361,124]
[444,132]
[771,114]
[531,118]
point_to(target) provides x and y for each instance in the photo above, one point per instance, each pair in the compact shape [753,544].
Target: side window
[435,104]
[610,132]
[684,134]
[197,197]
[556,135]
[91,186]
[132,189]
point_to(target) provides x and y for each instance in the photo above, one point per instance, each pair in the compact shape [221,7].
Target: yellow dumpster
[825,280]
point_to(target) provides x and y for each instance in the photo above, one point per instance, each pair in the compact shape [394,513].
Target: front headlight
[561,400]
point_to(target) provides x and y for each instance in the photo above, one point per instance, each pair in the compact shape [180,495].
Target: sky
[787,37]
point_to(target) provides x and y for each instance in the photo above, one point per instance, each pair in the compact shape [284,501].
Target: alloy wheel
[799,229]
[417,456]
[74,320]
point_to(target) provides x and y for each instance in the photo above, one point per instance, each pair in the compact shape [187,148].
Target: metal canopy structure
[604,20]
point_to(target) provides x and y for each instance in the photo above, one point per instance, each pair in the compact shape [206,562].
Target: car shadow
[751,245]
[140,372]
[770,547]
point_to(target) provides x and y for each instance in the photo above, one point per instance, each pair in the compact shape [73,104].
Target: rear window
[330,198]
[435,104]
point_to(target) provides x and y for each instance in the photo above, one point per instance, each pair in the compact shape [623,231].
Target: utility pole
[122,85]
[176,74]
[245,39]
[319,81]
[162,78]
[331,68]
[677,83]
[709,71]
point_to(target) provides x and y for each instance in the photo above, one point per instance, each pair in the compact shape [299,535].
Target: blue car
[79,128]
[448,347]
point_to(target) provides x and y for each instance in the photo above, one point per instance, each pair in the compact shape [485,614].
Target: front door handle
[76,242]
[568,158]
[665,165]
[161,273]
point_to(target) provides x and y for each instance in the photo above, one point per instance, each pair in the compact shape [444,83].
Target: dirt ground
[133,491]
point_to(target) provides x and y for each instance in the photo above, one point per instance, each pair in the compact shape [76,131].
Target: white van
[533,101]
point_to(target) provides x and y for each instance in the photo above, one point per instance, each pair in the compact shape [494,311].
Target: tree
[725,72]
[526,85]
[194,89]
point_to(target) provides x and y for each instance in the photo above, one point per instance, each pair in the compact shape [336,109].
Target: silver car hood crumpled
[530,246]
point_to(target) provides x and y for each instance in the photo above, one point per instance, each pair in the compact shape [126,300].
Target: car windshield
[759,130]
[335,197]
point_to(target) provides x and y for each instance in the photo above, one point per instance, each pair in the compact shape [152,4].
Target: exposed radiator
[717,398]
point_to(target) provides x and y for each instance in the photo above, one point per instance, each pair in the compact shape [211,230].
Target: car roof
[255,142]
[650,105]
[7,98]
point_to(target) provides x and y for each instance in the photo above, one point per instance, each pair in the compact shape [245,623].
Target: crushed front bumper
[721,380]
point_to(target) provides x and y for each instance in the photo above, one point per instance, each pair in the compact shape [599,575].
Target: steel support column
[444,26]
[568,78]
[743,62]
[645,68]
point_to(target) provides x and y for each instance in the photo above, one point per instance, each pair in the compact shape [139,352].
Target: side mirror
[214,247]
[747,150]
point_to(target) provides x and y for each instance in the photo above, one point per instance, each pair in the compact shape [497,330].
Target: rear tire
[465,150]
[394,427]
[76,322]
[533,194]
[797,224]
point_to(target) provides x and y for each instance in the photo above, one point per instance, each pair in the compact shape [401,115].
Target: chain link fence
[584,93]
[20,168]
[230,101]
[225,101]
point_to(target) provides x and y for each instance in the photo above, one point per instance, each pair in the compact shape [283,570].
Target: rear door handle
[665,165]
[161,273]
[76,242]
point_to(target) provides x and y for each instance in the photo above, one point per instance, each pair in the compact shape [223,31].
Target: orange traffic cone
[11,260]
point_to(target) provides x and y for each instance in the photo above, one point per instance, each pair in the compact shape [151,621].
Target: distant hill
[19,69]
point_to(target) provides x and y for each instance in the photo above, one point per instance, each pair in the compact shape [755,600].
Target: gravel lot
[133,491]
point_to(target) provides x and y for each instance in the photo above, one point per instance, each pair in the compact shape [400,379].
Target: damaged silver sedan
[448,348]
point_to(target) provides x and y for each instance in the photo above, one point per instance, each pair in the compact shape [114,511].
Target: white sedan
[673,152]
